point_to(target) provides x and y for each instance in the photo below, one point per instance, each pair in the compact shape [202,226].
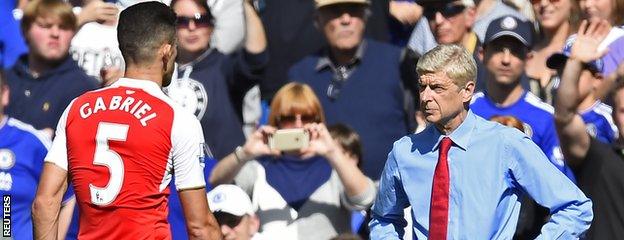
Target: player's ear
[167,53]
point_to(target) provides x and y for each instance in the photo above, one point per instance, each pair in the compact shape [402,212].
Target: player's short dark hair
[142,29]
[348,139]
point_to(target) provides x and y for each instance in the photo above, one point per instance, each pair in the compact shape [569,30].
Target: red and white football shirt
[121,145]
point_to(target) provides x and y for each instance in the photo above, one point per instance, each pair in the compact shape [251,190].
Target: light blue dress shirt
[490,166]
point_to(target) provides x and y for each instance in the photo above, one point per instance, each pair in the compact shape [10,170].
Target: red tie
[438,214]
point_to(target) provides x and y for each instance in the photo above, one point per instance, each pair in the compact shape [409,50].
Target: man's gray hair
[452,59]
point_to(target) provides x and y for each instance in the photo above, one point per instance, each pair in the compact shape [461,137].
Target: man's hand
[405,12]
[588,38]
[98,11]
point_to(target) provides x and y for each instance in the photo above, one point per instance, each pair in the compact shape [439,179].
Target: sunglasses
[227,219]
[447,10]
[293,118]
[539,1]
[200,20]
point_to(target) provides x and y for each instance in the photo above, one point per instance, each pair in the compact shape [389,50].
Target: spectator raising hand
[98,11]
[589,36]
[571,128]
[597,165]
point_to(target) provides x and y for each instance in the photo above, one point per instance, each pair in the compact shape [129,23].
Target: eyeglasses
[447,10]
[539,1]
[293,118]
[200,20]
[228,219]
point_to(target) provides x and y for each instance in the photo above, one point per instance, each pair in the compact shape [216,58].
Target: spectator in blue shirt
[44,81]
[472,189]
[22,150]
[506,49]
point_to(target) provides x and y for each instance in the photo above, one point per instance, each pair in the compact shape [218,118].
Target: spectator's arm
[47,204]
[98,11]
[225,171]
[255,37]
[405,12]
[570,126]
[321,143]
[388,220]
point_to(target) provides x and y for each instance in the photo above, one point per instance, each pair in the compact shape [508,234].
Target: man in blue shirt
[472,190]
[22,149]
[506,49]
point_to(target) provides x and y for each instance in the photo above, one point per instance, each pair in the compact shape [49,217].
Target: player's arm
[67,212]
[52,185]
[188,155]
[200,223]
[47,204]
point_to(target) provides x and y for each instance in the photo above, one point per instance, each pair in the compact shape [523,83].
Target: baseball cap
[512,27]
[323,3]
[557,60]
[229,199]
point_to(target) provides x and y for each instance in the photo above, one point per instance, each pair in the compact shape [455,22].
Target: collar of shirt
[146,85]
[460,136]
[325,61]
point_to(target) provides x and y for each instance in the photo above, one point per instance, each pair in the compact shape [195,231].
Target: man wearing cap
[463,175]
[598,166]
[232,208]
[359,81]
[506,48]
[596,115]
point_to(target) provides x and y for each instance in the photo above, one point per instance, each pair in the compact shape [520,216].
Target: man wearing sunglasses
[451,22]
[234,212]
[484,12]
[359,81]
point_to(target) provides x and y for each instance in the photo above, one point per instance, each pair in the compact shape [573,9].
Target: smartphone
[289,139]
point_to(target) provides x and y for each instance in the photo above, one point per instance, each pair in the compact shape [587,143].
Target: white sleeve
[187,140]
[58,152]
[229,32]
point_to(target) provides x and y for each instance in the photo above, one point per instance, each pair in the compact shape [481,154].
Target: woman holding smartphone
[307,193]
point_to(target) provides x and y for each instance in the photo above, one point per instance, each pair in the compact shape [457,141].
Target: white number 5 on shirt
[106,157]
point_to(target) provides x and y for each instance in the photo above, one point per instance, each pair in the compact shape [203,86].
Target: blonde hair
[295,98]
[48,9]
[453,60]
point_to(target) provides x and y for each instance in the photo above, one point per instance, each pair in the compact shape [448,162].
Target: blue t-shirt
[22,150]
[599,122]
[537,118]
